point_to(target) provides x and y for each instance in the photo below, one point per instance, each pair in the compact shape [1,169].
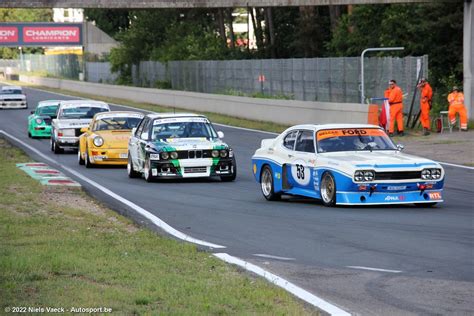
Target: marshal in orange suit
[395,99]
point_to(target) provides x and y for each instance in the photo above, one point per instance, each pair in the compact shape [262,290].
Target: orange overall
[425,105]
[456,105]
[396,108]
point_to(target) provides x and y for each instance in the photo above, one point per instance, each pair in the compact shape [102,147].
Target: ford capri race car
[39,122]
[105,141]
[72,116]
[179,146]
[12,97]
[345,164]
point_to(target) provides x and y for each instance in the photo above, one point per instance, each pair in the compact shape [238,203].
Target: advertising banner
[40,34]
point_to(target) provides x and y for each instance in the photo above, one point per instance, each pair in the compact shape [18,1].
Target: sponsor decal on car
[390,198]
[435,195]
[349,132]
[396,187]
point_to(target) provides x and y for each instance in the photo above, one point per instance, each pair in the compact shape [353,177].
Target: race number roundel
[300,172]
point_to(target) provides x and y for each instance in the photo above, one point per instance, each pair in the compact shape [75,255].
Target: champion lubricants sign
[40,34]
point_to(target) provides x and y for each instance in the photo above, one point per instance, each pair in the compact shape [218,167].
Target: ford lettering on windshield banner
[40,34]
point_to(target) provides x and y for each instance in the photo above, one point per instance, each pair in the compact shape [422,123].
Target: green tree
[434,29]
[111,21]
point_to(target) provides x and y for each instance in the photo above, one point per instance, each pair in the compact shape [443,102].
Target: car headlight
[215,153]
[426,174]
[165,155]
[431,174]
[223,153]
[369,175]
[98,141]
[38,121]
[364,175]
[174,155]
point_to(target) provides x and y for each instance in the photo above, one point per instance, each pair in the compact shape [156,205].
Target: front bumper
[13,104]
[117,156]
[192,168]
[377,198]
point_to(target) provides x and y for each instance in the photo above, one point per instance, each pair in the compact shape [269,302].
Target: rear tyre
[147,171]
[29,134]
[233,175]
[56,148]
[130,171]
[267,185]
[327,189]
[79,158]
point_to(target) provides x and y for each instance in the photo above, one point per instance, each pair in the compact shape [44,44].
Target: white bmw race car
[345,164]
[12,97]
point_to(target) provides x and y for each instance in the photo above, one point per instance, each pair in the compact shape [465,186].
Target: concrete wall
[287,112]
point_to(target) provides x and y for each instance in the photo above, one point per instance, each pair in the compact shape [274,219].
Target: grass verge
[59,248]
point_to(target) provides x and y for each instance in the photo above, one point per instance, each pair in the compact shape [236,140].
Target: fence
[309,79]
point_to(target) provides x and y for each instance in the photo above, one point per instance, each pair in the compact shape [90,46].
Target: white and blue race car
[345,164]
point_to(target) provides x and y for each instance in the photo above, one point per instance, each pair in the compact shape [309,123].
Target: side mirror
[134,130]
[32,112]
[144,136]
[84,129]
[400,147]
[220,134]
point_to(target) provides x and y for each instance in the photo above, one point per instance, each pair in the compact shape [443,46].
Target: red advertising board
[8,34]
[51,34]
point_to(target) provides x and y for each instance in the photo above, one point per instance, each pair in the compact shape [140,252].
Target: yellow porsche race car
[105,141]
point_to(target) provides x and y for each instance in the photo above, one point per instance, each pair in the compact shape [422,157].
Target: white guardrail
[287,112]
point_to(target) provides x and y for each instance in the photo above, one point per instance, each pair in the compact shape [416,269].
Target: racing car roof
[48,103]
[172,115]
[102,115]
[318,127]
[78,103]
[11,88]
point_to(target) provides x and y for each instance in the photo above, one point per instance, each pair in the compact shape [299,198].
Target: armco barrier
[286,112]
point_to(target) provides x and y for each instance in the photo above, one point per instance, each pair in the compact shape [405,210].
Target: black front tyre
[233,175]
[130,170]
[267,185]
[87,160]
[147,171]
[327,189]
[80,160]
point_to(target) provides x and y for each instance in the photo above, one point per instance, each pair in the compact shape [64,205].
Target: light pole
[372,49]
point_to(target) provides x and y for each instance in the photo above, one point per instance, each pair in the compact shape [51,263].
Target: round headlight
[174,155]
[215,153]
[164,155]
[223,153]
[435,173]
[368,175]
[98,141]
[359,176]
[426,174]
[39,121]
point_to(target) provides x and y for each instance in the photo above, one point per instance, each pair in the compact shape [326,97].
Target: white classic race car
[12,97]
[345,164]
[72,116]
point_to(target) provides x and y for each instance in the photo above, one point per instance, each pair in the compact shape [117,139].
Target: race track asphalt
[429,251]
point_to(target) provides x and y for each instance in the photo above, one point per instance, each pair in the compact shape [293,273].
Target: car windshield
[183,129]
[81,112]
[11,91]
[353,139]
[48,110]
[116,123]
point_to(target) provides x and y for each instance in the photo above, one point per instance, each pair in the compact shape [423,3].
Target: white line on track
[154,219]
[224,125]
[285,284]
[374,269]
[273,257]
